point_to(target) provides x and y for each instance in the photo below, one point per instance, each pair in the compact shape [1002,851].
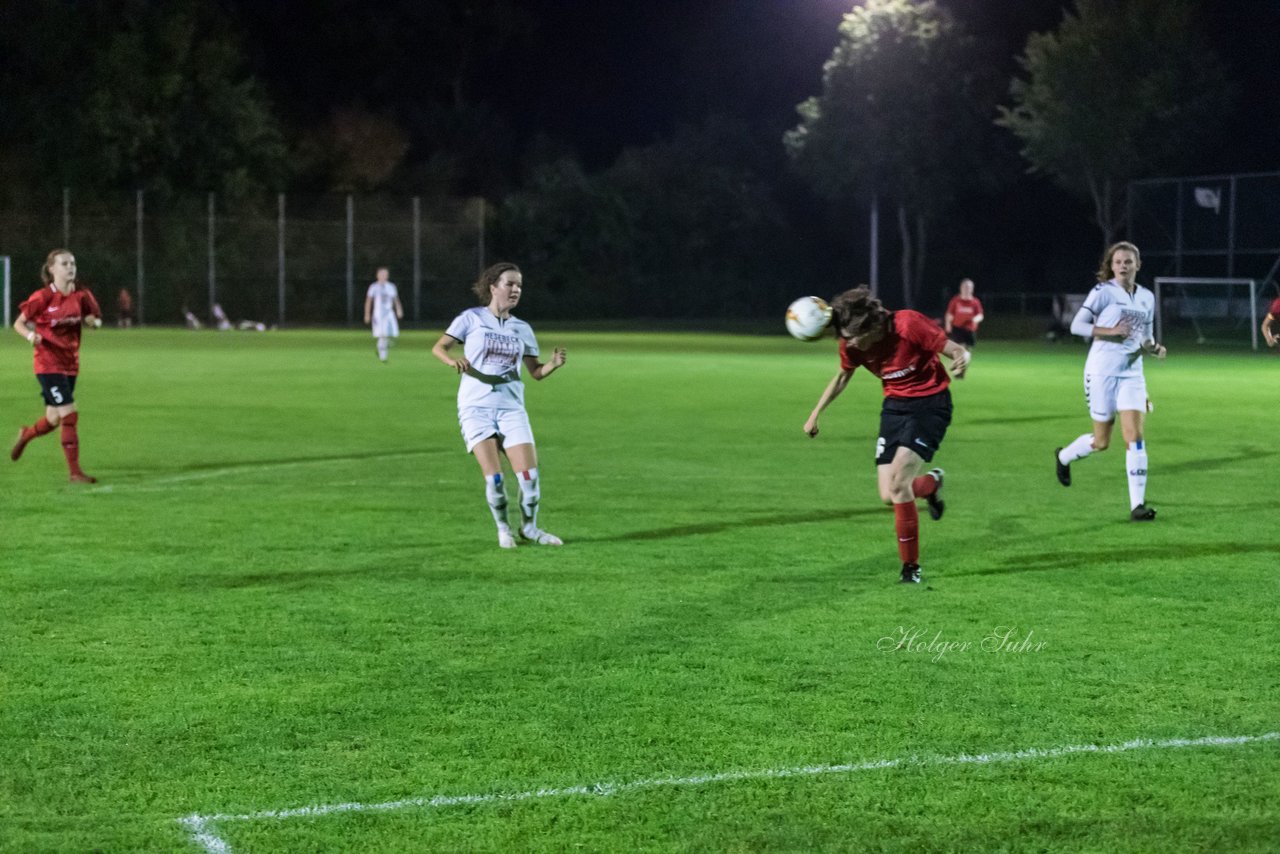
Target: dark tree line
[716,218]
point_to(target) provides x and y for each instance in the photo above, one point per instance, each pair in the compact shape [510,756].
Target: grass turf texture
[286,590]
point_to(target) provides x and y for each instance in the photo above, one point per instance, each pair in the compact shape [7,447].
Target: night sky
[599,76]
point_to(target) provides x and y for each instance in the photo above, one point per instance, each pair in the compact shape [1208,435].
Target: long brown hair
[856,311]
[1104,269]
[484,285]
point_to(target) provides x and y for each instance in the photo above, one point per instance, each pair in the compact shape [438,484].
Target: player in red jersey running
[963,315]
[901,348]
[1272,320]
[50,320]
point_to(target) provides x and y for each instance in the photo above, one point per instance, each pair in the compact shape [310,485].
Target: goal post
[1213,308]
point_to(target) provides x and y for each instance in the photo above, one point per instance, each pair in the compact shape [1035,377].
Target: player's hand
[811,427]
[960,364]
[461,365]
[35,339]
[558,356]
[93,322]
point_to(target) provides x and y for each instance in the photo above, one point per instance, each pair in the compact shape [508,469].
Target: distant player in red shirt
[964,313]
[50,320]
[901,348]
[1269,323]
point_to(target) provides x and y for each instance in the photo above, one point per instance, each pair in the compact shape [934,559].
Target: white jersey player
[382,311]
[491,413]
[1118,315]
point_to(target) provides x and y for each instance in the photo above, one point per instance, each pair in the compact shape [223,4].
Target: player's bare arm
[959,357]
[368,310]
[1268,327]
[399,310]
[441,352]
[830,393]
[28,334]
[542,370]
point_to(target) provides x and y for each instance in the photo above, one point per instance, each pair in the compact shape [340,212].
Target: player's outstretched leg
[1064,457]
[530,494]
[26,434]
[496,495]
[929,487]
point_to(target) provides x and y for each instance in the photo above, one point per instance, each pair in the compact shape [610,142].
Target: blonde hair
[45,275]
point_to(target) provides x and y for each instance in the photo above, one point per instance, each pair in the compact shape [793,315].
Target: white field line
[204,832]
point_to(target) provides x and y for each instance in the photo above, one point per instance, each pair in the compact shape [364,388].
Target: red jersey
[906,358]
[57,318]
[963,311]
[1274,311]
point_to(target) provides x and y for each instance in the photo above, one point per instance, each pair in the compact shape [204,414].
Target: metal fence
[291,259]
[1210,225]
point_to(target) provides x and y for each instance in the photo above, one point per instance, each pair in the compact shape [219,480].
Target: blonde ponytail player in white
[1118,315]
[491,409]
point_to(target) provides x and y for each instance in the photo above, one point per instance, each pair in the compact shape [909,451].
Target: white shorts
[386,327]
[1106,395]
[511,426]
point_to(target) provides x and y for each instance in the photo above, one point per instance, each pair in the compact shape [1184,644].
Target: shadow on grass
[780,519]
[1248,456]
[1111,555]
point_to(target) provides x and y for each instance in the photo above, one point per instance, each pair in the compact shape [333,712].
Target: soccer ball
[808,318]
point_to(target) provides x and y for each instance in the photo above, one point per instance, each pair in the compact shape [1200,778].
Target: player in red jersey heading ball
[901,348]
[51,320]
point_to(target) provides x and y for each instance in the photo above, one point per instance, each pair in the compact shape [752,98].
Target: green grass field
[286,592]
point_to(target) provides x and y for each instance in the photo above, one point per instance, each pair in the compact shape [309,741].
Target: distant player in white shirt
[491,395]
[382,311]
[1118,315]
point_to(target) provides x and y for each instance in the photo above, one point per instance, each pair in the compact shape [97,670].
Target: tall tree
[902,117]
[1123,89]
[121,93]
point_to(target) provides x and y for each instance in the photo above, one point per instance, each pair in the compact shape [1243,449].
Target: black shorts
[918,423]
[967,337]
[57,389]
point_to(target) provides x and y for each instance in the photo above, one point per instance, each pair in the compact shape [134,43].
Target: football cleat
[911,573]
[1142,513]
[81,477]
[1064,469]
[19,445]
[506,540]
[539,536]
[936,505]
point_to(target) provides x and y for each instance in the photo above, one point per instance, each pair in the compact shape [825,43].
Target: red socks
[906,521]
[924,486]
[71,443]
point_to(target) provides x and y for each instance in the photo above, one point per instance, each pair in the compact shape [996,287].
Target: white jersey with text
[496,349]
[1107,305]
[383,311]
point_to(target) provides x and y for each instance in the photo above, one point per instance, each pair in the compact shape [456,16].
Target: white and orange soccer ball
[808,318]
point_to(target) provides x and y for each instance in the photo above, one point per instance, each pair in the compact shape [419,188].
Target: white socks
[1135,462]
[529,495]
[1079,449]
[382,349]
[497,498]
